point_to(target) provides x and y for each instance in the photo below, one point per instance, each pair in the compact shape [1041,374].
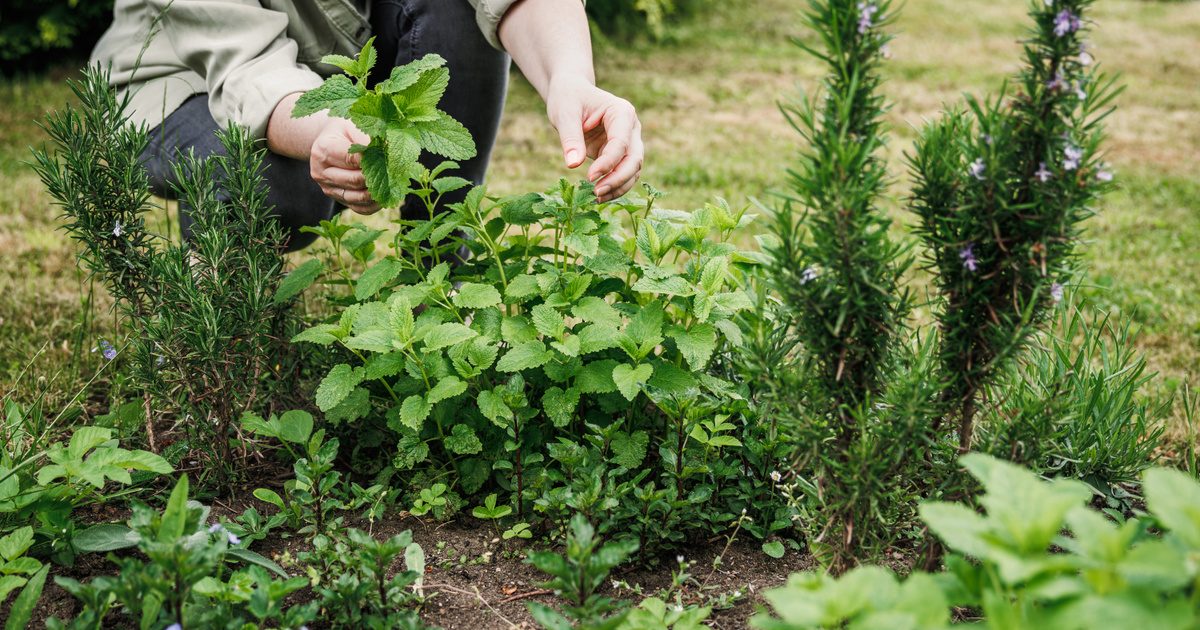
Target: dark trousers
[404,30]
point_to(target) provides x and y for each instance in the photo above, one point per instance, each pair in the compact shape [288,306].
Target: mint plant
[1038,558]
[578,575]
[400,115]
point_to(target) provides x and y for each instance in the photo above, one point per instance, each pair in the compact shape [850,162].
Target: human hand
[336,170]
[594,123]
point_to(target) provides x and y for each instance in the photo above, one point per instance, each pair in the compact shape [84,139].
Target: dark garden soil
[475,581]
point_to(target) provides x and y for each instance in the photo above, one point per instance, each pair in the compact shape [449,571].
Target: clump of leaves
[577,576]
[399,114]
[1039,557]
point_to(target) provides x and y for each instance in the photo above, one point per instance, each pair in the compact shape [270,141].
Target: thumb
[570,132]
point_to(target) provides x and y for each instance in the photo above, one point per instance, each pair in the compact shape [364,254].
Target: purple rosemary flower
[107,350]
[1104,175]
[215,527]
[967,254]
[977,169]
[1056,292]
[1043,174]
[1073,154]
[1080,93]
[118,229]
[866,16]
[174,626]
[1085,57]
[1066,22]
[233,540]
[1056,82]
[808,275]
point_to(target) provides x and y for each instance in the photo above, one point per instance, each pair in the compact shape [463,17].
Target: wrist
[294,137]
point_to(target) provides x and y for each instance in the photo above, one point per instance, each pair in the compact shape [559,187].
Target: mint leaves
[399,114]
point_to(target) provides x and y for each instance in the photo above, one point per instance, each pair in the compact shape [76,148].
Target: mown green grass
[708,100]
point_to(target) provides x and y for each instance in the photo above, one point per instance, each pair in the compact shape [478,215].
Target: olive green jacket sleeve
[246,55]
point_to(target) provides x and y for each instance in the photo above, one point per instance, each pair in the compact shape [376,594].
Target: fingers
[349,179]
[359,201]
[622,178]
[620,126]
[574,146]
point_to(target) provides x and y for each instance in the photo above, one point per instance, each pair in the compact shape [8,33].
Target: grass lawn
[708,99]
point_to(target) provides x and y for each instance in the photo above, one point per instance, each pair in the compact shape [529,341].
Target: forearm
[293,137]
[549,41]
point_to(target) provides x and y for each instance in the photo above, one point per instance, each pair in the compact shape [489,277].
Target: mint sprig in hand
[400,115]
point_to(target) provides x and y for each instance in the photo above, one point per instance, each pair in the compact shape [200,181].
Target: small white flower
[1104,176]
[616,585]
[678,607]
[977,169]
[118,229]
[775,476]
[1056,292]
[679,559]
[233,540]
[809,274]
[215,527]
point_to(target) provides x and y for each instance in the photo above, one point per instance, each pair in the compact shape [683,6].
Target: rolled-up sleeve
[488,14]
[243,52]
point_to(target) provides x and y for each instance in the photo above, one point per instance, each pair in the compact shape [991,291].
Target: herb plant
[578,575]
[1102,574]
[202,319]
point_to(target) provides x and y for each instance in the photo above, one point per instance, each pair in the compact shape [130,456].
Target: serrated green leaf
[528,355]
[673,285]
[16,543]
[376,277]
[629,379]
[446,137]
[522,287]
[321,334]
[596,377]
[548,321]
[446,388]
[336,386]
[647,324]
[426,92]
[559,404]
[413,411]
[446,335]
[298,280]
[357,404]
[629,449]
[597,337]
[696,344]
[594,310]
[463,441]
[337,94]
[474,295]
[404,76]
[492,406]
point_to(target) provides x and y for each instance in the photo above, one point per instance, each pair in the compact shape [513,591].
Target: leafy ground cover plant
[1039,557]
[202,320]
[578,575]
[182,582]
[528,344]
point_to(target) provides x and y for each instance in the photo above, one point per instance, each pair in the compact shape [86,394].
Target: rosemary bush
[201,318]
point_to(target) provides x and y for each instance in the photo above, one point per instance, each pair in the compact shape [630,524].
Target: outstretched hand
[336,170]
[593,123]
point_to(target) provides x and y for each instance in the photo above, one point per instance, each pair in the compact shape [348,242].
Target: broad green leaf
[376,277]
[958,526]
[596,311]
[413,411]
[321,334]
[406,75]
[492,406]
[582,244]
[425,93]
[446,388]
[386,192]
[1174,499]
[463,441]
[695,344]
[85,439]
[16,543]
[446,137]
[446,335]
[517,330]
[597,337]
[139,460]
[249,557]
[671,380]
[596,377]
[357,404]
[105,537]
[629,379]
[474,295]
[629,449]
[295,426]
[266,495]
[647,324]
[8,584]
[673,285]
[773,548]
[298,280]
[337,94]
[559,405]
[336,385]
[23,605]
[174,518]
[522,287]
[528,355]
[548,321]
